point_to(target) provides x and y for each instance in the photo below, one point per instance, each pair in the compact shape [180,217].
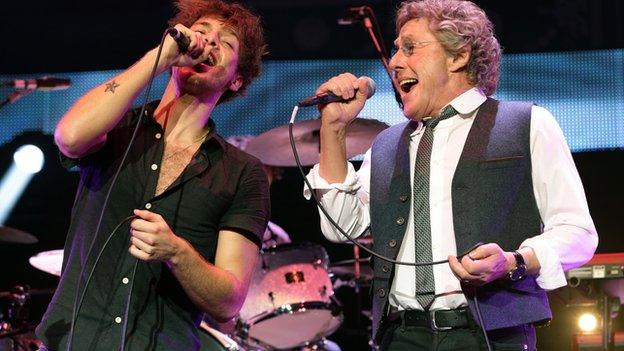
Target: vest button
[392,243]
[403,198]
[461,186]
[381,293]
[385,268]
[400,221]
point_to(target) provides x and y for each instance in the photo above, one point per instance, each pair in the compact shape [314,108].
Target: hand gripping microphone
[326,98]
[180,38]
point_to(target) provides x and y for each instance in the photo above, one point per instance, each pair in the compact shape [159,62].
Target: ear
[460,61]
[236,83]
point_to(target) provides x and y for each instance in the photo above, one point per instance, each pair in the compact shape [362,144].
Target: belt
[435,320]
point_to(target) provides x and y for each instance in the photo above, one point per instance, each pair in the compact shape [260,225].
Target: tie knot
[448,111]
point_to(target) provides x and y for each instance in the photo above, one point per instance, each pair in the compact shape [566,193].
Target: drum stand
[356,288]
[13,325]
[356,274]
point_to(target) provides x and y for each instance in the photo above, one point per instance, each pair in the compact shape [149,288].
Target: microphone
[43,84]
[353,15]
[180,38]
[326,98]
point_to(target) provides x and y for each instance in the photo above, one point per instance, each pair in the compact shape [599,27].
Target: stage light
[587,322]
[28,159]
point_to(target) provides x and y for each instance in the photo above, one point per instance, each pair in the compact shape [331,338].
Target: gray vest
[493,202]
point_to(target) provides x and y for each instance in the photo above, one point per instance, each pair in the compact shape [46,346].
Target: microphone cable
[337,226]
[371,252]
[78,300]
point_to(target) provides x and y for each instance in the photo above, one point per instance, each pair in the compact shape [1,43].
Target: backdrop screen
[583,90]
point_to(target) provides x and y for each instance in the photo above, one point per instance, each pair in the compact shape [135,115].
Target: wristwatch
[520,270]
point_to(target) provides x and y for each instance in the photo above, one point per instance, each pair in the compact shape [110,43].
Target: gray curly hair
[456,23]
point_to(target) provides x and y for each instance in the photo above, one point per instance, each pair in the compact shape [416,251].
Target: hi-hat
[48,261]
[12,235]
[273,147]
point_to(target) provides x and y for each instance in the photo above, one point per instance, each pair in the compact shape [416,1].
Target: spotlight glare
[587,322]
[29,159]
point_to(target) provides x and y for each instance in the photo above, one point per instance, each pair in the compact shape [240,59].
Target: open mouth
[407,84]
[211,61]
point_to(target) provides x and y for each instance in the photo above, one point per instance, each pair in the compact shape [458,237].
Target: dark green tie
[425,285]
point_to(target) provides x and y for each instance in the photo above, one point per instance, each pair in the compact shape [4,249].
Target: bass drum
[213,340]
[290,300]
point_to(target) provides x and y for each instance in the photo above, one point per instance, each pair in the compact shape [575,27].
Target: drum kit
[290,304]
[16,333]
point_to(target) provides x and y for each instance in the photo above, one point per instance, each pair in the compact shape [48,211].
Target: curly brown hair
[248,28]
[456,23]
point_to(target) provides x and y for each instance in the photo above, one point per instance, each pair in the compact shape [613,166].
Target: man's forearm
[97,112]
[333,158]
[214,290]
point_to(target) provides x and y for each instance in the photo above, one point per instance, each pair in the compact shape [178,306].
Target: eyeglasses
[407,47]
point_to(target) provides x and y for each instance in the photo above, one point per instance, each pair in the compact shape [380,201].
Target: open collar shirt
[221,188]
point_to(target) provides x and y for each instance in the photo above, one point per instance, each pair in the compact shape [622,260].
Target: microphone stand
[16,95]
[366,16]
[25,86]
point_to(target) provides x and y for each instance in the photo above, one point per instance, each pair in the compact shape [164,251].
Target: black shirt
[221,188]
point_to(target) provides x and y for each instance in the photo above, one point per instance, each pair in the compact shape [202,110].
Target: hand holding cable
[152,239]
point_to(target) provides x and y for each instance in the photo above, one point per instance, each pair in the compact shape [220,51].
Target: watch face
[517,273]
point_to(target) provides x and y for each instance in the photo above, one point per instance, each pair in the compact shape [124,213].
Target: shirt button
[154,167]
[125,280]
[148,205]
[400,221]
[117,320]
[392,243]
[158,135]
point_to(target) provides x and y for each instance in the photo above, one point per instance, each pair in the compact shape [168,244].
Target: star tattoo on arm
[111,87]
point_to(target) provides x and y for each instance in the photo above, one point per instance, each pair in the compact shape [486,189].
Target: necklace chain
[186,147]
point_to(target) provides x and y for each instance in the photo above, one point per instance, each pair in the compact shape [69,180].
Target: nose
[212,38]
[394,61]
[395,64]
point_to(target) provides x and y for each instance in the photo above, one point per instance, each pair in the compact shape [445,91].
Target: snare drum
[290,299]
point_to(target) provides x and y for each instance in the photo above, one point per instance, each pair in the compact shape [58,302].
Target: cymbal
[346,269]
[12,235]
[273,147]
[48,261]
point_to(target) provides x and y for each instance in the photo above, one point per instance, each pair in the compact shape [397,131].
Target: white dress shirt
[569,238]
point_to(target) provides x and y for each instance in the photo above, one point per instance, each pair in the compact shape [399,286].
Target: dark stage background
[69,36]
